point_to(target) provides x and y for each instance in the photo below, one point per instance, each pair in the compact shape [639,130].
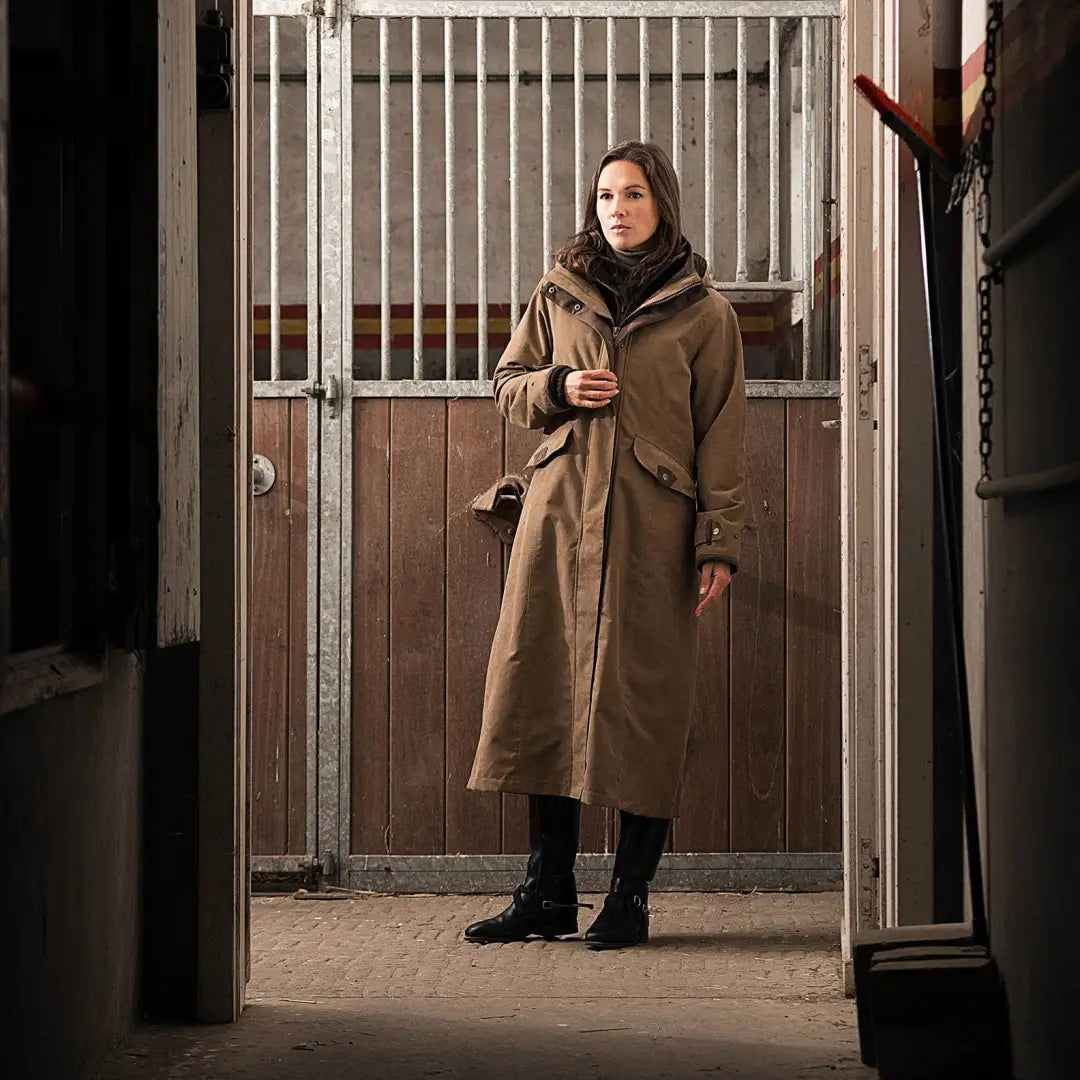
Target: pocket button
[666,477]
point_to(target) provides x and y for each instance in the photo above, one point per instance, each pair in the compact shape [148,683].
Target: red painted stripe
[1035,39]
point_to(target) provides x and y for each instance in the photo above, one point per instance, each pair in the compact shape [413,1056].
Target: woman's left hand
[715,577]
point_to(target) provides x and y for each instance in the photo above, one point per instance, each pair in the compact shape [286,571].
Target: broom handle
[946,488]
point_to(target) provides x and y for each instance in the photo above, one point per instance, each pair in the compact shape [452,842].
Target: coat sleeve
[522,376]
[718,402]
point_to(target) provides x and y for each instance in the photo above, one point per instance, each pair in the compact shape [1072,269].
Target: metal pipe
[1032,483]
[418,202]
[676,96]
[450,198]
[612,83]
[825,363]
[348,332]
[313,138]
[579,118]
[558,9]
[441,388]
[275,204]
[515,300]
[384,197]
[468,78]
[481,200]
[807,205]
[1015,237]
[598,9]
[740,162]
[774,149]
[545,138]
[311,210]
[710,140]
[643,87]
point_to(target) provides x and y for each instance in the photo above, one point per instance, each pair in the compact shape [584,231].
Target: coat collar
[576,295]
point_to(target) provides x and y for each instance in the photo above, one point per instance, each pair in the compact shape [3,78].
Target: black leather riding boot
[545,904]
[624,920]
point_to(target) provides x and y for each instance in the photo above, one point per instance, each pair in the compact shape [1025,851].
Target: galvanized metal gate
[333,222]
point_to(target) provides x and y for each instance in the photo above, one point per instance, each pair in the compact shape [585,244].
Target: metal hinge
[326,9]
[213,63]
[868,374]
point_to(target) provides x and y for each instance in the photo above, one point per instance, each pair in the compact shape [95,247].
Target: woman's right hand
[591,388]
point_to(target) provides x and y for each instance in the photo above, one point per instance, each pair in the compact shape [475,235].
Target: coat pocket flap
[666,468]
[551,446]
[500,506]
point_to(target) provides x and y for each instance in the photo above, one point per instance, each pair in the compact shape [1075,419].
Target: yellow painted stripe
[971,97]
[288,326]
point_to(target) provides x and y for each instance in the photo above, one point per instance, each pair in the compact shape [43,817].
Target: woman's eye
[605,196]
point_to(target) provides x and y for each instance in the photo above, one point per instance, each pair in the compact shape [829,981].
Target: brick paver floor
[729,986]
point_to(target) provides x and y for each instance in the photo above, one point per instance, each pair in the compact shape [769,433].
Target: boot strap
[632,901]
[547,905]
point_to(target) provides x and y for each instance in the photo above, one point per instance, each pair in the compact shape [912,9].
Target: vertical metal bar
[481,200]
[612,83]
[741,140]
[643,79]
[344,410]
[774,149]
[710,140]
[418,200]
[825,364]
[275,202]
[807,204]
[325,439]
[676,95]
[311,210]
[313,347]
[384,198]
[515,301]
[450,198]
[579,119]
[545,137]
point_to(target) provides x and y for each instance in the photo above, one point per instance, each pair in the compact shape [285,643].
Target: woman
[630,528]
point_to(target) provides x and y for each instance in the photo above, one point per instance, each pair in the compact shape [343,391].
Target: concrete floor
[384,987]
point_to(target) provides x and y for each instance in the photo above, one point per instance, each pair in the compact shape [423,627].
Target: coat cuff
[556,386]
[715,539]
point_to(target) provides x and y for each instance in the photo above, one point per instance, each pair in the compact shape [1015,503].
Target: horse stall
[401,220]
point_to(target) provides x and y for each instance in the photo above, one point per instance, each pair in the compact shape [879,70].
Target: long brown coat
[590,683]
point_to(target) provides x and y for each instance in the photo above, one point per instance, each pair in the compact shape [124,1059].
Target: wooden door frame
[225,378]
[887,515]
[861,340]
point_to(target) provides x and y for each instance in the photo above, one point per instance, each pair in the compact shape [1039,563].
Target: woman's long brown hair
[581,252]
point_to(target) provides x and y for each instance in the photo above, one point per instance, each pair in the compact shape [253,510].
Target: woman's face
[625,205]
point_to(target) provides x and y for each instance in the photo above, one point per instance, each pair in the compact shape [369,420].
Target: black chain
[978,160]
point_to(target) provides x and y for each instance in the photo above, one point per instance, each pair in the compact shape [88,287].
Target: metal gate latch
[327,391]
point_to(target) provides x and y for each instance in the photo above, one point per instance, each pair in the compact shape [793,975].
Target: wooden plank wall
[279,633]
[178,334]
[763,772]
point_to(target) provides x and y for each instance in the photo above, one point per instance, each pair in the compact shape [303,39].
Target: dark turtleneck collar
[632,258]
[624,290]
